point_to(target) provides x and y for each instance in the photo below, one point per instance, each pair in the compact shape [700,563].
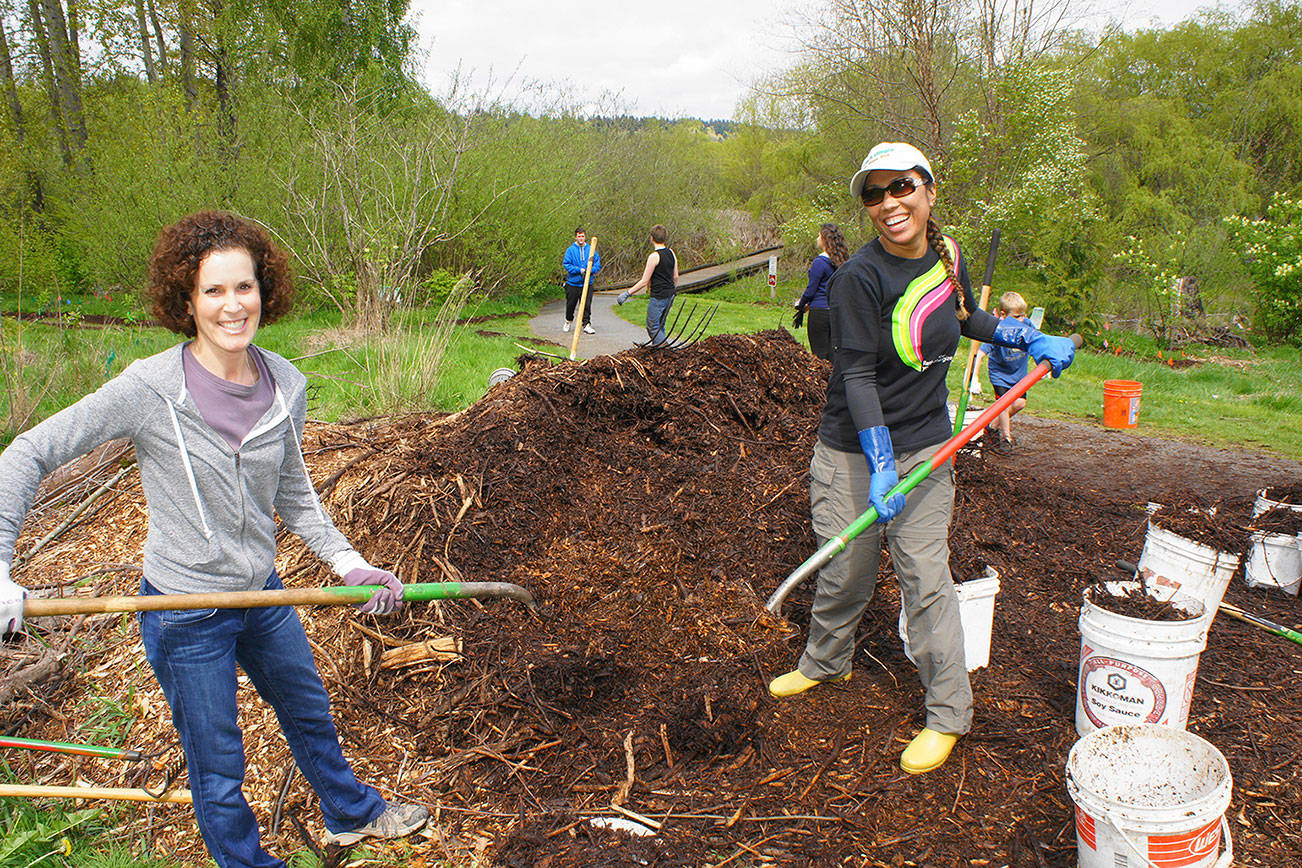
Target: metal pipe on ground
[13,742]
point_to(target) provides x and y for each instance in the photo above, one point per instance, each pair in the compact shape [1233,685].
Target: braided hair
[936,240]
[834,243]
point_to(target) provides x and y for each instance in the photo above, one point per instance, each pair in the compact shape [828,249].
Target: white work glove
[974,387]
[11,602]
[622,297]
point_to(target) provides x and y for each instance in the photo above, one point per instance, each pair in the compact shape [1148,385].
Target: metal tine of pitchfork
[690,335]
[690,331]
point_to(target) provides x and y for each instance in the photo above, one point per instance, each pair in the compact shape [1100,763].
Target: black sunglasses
[899,189]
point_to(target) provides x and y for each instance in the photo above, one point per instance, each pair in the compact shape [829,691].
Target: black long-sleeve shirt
[895,328]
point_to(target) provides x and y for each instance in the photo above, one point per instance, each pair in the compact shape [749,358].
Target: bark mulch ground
[652,502]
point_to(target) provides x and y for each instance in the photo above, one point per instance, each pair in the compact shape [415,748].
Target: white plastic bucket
[976,612]
[1179,564]
[1137,671]
[969,416]
[1275,561]
[1265,504]
[501,375]
[1149,797]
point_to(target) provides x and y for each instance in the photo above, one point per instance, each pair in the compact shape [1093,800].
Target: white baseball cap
[896,156]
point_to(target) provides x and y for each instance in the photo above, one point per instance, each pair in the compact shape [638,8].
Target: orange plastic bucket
[1121,403]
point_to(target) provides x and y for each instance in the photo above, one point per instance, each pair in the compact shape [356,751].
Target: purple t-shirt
[232,409]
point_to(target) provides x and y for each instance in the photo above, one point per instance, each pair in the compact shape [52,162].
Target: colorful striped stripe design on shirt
[925,294]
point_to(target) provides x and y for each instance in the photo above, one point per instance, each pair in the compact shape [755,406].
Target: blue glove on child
[876,445]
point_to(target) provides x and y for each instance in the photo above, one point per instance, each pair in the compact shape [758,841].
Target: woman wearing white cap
[898,308]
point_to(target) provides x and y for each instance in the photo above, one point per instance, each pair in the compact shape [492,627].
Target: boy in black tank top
[661,277]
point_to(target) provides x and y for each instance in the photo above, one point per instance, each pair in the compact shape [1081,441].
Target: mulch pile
[652,502]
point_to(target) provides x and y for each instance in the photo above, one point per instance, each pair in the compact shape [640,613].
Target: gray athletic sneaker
[397,821]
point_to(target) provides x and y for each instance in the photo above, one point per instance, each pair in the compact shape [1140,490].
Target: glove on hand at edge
[12,596]
[877,448]
[622,297]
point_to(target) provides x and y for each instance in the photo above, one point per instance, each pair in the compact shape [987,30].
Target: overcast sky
[672,58]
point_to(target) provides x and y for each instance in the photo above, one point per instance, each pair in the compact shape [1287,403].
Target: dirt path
[614,334]
[1141,466]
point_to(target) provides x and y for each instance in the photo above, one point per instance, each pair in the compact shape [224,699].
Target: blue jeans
[194,654]
[657,311]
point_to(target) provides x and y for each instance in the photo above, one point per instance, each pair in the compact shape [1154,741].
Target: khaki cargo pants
[919,544]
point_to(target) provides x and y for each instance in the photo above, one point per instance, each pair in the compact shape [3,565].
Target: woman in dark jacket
[813,302]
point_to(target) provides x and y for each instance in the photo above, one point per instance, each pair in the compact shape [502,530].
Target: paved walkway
[614,333]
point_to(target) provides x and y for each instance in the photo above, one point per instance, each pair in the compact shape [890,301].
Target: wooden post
[583,299]
[773,277]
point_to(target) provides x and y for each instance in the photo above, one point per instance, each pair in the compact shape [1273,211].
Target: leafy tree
[1271,248]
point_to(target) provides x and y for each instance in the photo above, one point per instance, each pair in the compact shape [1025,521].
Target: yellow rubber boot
[928,750]
[793,682]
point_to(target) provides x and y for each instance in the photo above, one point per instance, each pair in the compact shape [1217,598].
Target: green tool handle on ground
[834,546]
[331,595]
[131,756]
[970,370]
[1237,613]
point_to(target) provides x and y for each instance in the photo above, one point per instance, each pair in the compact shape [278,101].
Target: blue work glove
[622,297]
[1058,352]
[11,602]
[876,445]
[356,571]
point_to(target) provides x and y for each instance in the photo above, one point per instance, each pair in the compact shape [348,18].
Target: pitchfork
[689,332]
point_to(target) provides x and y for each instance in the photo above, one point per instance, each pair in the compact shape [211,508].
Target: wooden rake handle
[334,595]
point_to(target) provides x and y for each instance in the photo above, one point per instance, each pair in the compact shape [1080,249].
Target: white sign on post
[773,276]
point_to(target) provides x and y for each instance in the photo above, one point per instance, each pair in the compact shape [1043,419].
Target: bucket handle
[1226,860]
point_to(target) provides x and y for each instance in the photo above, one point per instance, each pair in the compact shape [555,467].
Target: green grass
[51,832]
[1229,398]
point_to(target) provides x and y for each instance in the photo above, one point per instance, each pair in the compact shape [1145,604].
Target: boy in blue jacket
[575,264]
[1006,367]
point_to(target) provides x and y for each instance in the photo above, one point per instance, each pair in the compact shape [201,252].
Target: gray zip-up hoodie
[211,508]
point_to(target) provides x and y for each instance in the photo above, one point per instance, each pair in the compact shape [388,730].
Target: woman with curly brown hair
[216,423]
[897,309]
[813,302]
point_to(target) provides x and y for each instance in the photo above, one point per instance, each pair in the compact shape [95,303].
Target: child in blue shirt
[1006,366]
